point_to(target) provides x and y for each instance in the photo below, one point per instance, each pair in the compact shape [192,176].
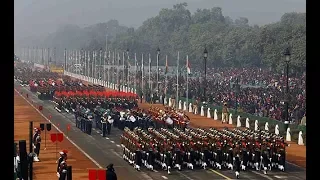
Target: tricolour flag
[188,66]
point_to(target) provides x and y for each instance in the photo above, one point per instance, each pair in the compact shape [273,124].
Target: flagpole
[92,64]
[85,63]
[187,95]
[166,77]
[177,93]
[118,74]
[123,74]
[142,74]
[128,72]
[135,72]
[100,65]
[88,66]
[149,72]
[113,62]
[65,59]
[108,64]
[105,55]
[77,61]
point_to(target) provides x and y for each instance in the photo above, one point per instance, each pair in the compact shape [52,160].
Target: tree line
[230,43]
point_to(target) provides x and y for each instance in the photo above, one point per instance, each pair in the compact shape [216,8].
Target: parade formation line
[24,112]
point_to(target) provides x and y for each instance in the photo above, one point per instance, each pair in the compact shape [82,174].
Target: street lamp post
[287,55]
[205,56]
[158,56]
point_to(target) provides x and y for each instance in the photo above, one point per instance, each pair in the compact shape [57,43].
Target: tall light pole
[205,56]
[158,56]
[287,55]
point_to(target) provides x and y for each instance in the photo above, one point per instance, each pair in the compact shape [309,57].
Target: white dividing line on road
[164,177]
[118,145]
[155,171]
[87,155]
[281,177]
[263,175]
[112,141]
[107,138]
[93,129]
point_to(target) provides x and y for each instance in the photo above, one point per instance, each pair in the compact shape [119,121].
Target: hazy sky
[40,17]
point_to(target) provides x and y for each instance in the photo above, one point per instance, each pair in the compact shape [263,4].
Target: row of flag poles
[94,64]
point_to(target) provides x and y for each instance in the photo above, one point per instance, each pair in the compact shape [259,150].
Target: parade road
[108,150]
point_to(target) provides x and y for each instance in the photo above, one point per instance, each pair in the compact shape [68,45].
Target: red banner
[102,174]
[60,137]
[68,127]
[53,137]
[92,174]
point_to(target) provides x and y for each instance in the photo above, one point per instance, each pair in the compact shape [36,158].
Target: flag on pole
[188,66]
[166,64]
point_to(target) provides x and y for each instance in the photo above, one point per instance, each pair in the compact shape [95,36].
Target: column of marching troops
[44,87]
[157,138]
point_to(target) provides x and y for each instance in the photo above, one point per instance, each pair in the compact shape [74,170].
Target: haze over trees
[229,42]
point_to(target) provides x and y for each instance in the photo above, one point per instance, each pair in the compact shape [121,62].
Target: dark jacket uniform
[111,175]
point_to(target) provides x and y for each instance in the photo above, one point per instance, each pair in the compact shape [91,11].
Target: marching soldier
[36,144]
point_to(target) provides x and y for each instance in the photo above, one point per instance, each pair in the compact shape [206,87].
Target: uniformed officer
[109,122]
[103,123]
[36,144]
[89,121]
[63,157]
[63,170]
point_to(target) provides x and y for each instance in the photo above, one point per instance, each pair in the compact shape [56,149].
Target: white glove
[234,158]
[261,157]
[58,174]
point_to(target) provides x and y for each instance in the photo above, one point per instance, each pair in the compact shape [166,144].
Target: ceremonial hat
[63,152]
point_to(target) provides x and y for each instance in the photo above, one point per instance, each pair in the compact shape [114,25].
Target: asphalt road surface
[108,150]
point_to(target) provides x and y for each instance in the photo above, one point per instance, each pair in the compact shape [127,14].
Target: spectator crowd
[262,91]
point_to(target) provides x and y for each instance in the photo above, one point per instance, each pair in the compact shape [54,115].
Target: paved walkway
[46,169]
